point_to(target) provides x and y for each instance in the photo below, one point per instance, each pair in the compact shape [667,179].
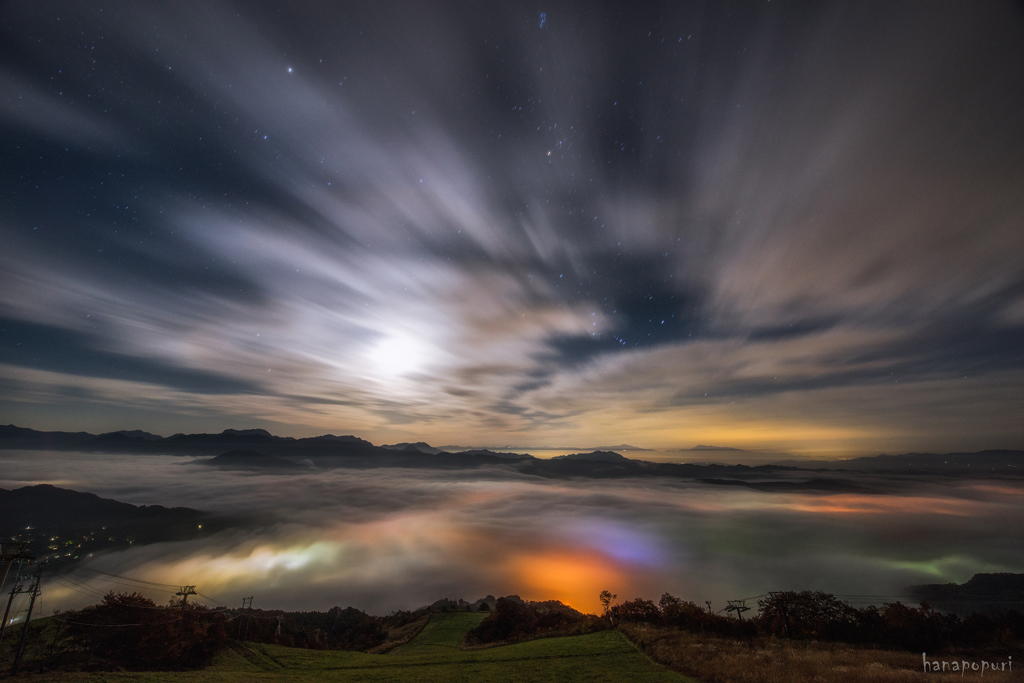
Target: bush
[687,616]
[508,621]
[638,610]
[512,621]
[336,629]
[133,632]
[811,615]
[815,615]
[917,629]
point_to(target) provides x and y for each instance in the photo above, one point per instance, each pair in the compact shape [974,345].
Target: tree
[606,598]
[639,610]
[133,632]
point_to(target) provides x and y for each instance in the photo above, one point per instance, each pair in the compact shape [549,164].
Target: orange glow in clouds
[575,578]
[888,505]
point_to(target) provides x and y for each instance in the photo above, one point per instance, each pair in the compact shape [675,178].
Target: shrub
[811,615]
[687,616]
[133,632]
[336,629]
[511,621]
[638,610]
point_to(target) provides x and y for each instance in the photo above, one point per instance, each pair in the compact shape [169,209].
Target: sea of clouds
[393,538]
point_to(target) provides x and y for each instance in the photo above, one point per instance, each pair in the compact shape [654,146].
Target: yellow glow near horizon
[670,430]
[742,432]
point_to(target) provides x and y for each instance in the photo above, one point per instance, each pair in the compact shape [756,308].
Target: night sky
[777,225]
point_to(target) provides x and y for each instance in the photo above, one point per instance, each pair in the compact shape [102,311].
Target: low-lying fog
[387,539]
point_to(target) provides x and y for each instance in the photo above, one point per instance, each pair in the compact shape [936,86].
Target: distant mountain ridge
[247,432]
[1006,461]
[136,434]
[12,437]
[494,454]
[596,456]
[329,450]
[420,446]
[620,447]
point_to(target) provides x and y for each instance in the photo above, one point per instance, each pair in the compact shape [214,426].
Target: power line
[78,589]
[82,587]
[145,623]
[871,597]
[120,583]
[117,576]
[216,601]
[69,582]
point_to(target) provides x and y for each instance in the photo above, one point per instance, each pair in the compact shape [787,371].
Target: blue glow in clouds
[543,18]
[619,541]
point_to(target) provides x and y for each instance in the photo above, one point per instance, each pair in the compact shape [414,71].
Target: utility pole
[19,554]
[28,619]
[247,606]
[785,614]
[737,606]
[184,593]
[15,589]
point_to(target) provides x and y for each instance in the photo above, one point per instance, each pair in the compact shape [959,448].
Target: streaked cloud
[745,228]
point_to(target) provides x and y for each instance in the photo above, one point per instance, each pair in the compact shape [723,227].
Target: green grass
[433,655]
[441,635]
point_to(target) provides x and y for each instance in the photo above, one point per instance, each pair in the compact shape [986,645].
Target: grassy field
[770,660]
[441,635]
[433,655]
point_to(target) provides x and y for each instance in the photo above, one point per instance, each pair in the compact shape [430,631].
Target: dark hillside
[67,524]
[986,593]
[255,461]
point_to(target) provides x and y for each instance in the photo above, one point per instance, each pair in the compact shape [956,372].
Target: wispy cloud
[452,225]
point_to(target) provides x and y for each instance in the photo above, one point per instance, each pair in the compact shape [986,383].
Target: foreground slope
[433,655]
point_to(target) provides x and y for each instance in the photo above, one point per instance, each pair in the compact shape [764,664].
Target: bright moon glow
[397,356]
